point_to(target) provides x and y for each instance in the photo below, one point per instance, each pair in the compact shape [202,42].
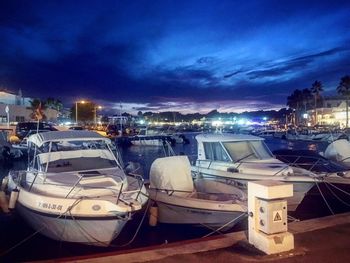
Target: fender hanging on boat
[13,198]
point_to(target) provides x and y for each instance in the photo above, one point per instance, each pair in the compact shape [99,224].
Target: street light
[76,109]
[95,116]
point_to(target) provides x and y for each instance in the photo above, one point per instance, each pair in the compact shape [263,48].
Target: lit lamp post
[76,109]
[95,116]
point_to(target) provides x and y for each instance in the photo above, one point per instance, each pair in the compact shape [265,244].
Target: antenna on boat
[120,119]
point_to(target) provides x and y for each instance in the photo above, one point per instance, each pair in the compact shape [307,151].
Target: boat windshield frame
[63,148]
[252,150]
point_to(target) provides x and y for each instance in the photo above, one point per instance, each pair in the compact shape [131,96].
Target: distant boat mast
[121,121]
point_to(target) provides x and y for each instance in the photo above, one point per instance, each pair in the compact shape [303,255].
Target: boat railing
[141,182]
[295,163]
[281,170]
[235,166]
[75,185]
[21,176]
[311,163]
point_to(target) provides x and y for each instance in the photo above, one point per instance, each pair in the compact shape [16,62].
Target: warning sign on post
[277,216]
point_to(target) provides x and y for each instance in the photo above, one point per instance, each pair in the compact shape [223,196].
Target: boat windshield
[247,150]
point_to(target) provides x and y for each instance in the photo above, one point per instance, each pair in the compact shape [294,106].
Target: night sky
[189,56]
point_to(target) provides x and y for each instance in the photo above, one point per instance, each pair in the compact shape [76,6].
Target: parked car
[76,128]
[23,128]
[112,130]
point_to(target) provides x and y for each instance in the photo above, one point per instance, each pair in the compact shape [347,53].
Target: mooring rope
[336,196]
[292,218]
[112,245]
[38,231]
[324,199]
[339,189]
[223,226]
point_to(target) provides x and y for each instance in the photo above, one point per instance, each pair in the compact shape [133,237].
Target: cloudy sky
[190,56]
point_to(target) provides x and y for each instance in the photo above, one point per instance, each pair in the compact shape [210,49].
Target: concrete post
[267,222]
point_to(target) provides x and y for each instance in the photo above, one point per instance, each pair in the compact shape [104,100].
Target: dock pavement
[323,239]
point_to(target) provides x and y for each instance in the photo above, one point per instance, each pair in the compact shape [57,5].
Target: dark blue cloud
[159,54]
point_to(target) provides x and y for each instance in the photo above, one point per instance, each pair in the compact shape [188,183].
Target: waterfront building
[18,108]
[332,112]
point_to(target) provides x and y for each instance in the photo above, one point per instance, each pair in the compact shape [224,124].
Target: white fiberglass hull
[215,204]
[86,220]
[175,214]
[301,184]
[85,230]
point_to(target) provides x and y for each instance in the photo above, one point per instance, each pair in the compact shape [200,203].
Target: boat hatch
[89,173]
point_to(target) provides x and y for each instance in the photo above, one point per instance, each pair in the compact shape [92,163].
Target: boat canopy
[172,173]
[226,137]
[40,138]
[63,155]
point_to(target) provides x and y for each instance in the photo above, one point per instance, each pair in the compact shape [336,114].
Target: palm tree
[37,107]
[294,101]
[344,90]
[307,98]
[316,89]
[53,103]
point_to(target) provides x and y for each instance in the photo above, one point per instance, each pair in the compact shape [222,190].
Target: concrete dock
[323,239]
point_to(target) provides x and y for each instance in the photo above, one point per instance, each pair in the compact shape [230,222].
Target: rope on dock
[292,218]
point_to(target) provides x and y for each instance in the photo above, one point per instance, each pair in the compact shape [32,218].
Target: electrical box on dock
[272,216]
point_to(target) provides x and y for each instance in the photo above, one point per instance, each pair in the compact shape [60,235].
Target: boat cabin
[232,148]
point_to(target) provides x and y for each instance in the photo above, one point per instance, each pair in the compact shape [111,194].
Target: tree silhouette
[295,101]
[37,107]
[53,103]
[344,90]
[316,89]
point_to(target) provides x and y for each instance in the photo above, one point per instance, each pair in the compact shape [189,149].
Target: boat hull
[175,214]
[215,208]
[85,230]
[300,188]
[85,220]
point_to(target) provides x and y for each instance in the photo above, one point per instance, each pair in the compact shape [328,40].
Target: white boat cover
[338,150]
[40,138]
[172,173]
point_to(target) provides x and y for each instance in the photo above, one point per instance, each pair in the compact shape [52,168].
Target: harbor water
[19,242]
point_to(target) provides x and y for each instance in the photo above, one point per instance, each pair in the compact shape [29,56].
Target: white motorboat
[149,138]
[339,151]
[182,200]
[314,135]
[75,189]
[237,159]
